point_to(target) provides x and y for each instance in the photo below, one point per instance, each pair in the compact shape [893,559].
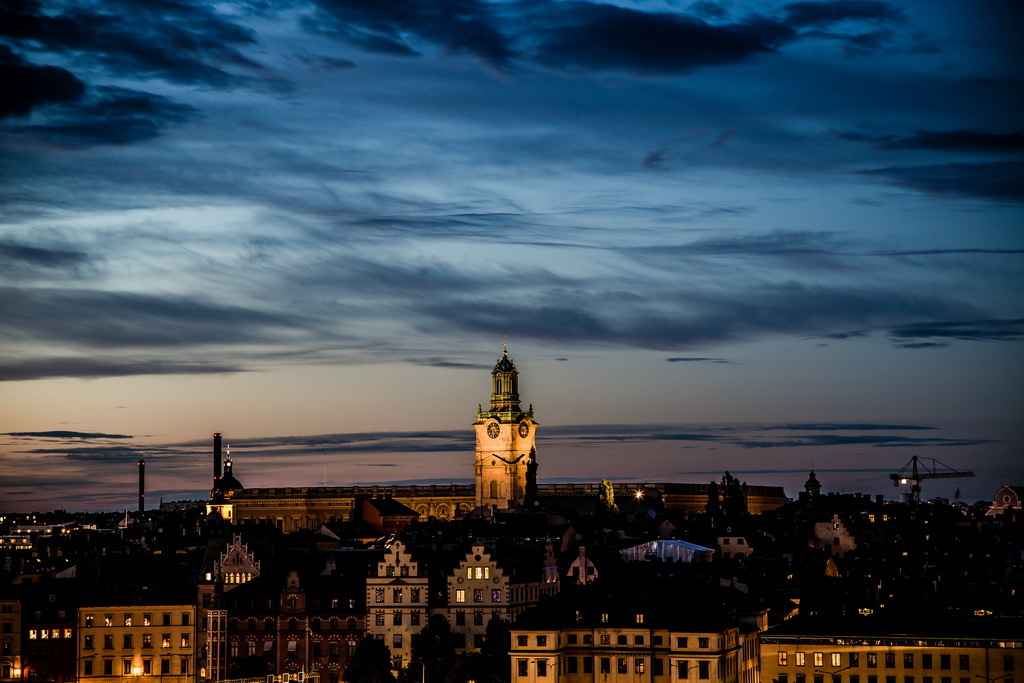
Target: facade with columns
[505,478]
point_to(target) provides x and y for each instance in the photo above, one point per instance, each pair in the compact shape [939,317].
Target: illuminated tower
[505,448]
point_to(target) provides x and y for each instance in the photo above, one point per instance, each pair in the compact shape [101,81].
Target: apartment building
[137,641]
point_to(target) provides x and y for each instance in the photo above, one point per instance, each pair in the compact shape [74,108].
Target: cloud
[119,117]
[923,345]
[13,370]
[975,330]
[17,257]
[968,141]
[58,434]
[458,26]
[840,426]
[875,441]
[27,86]
[999,180]
[697,360]
[827,13]
[175,41]
[585,35]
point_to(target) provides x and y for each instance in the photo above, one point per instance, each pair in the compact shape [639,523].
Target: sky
[747,236]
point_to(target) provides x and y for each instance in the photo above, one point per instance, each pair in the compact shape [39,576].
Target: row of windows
[397,595]
[481,572]
[574,665]
[128,641]
[45,633]
[315,648]
[292,624]
[402,571]
[130,668]
[838,678]
[682,642]
[478,595]
[147,619]
[889,659]
[397,618]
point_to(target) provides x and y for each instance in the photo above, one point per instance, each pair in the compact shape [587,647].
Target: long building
[504,469]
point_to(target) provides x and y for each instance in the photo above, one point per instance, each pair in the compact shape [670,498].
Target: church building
[505,478]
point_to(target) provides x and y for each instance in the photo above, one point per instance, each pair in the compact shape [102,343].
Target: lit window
[800,658]
[378,595]
[819,659]
[639,618]
[88,621]
[147,667]
[165,640]
[783,659]
[460,595]
[185,640]
[496,595]
[147,619]
[108,620]
[478,595]
[127,620]
[638,665]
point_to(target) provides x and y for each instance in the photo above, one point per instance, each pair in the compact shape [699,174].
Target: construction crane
[917,473]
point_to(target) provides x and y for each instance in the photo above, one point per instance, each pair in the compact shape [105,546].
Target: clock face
[492,430]
[524,429]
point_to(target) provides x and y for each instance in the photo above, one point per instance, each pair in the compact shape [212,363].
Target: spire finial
[504,345]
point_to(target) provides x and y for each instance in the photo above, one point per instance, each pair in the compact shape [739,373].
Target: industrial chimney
[216,458]
[142,486]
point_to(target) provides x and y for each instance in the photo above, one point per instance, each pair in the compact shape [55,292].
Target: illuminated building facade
[154,642]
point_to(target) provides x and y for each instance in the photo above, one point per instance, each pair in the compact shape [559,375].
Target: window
[108,619]
[682,669]
[588,665]
[185,640]
[396,618]
[414,594]
[837,659]
[800,658]
[184,666]
[638,665]
[165,619]
[88,643]
[1007,663]
[108,642]
[460,595]
[704,642]
[378,595]
[496,595]
[819,659]
[639,618]
[403,570]
[414,618]
[542,668]
[396,595]
[620,640]
[165,640]
[542,641]
[108,667]
[588,639]
[315,649]
[478,595]
[620,665]
[853,659]
[379,618]
[872,658]
[147,667]
[522,667]
[704,670]
[522,641]
[126,667]
[890,660]
[606,665]
[147,619]
[127,620]
[571,665]
[945,661]
[606,639]
[88,621]
[638,640]
[389,571]
[658,666]
[965,662]
[926,661]
[908,679]
[126,641]
[165,666]
[147,640]
[908,661]
[783,658]
[460,618]
[396,640]
[332,649]
[604,617]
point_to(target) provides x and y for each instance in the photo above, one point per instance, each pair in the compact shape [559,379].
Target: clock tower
[506,456]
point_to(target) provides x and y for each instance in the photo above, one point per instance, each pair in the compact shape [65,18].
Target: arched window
[494,489]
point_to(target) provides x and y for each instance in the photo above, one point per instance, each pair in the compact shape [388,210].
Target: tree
[370,663]
[432,648]
[606,506]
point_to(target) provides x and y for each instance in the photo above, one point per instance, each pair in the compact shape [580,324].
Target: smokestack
[216,457]
[142,486]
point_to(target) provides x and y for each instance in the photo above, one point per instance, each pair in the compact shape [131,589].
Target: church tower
[505,447]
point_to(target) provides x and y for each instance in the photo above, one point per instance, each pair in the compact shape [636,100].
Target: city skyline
[719,236]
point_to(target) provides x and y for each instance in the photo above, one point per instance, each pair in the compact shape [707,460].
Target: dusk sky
[746,236]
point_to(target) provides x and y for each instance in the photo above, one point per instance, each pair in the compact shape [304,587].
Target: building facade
[155,642]
[396,602]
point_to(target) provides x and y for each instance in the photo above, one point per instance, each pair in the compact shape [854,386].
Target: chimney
[216,457]
[142,486]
